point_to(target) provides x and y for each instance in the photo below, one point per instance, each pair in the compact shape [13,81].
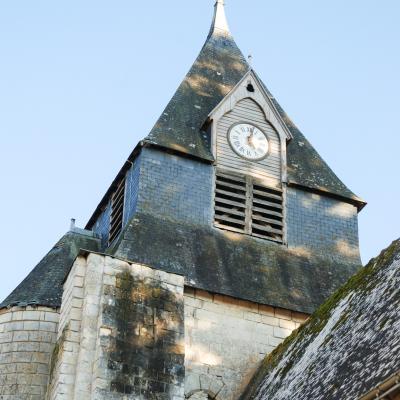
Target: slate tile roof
[216,71]
[347,348]
[43,285]
[234,264]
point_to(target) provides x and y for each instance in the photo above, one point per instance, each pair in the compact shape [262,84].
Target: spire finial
[219,24]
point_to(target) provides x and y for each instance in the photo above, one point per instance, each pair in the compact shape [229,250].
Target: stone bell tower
[221,233]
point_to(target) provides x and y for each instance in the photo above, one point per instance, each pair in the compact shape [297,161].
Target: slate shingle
[43,285]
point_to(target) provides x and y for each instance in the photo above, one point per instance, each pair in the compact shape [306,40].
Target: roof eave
[355,201]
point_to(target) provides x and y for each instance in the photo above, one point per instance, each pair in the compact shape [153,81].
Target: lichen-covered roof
[305,167]
[234,264]
[216,71]
[218,68]
[43,285]
[347,348]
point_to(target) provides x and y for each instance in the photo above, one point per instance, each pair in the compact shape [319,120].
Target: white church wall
[226,339]
[27,338]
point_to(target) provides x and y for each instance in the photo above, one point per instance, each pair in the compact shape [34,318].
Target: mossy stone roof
[216,71]
[348,347]
[234,264]
[43,285]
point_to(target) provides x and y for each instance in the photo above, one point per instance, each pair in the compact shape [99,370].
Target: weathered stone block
[281,332]
[219,327]
[26,365]
[283,314]
[291,325]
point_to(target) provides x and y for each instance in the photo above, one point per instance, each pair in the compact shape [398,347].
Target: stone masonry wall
[319,223]
[226,339]
[121,333]
[27,338]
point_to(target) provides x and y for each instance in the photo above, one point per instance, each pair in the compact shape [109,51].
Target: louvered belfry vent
[230,202]
[117,210]
[244,205]
[267,213]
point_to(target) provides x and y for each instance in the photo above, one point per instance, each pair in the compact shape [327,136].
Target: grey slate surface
[347,348]
[218,68]
[43,285]
[306,167]
[233,264]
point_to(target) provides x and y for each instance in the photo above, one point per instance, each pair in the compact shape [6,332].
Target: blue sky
[82,81]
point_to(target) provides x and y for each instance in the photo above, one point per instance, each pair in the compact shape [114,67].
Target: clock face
[248,141]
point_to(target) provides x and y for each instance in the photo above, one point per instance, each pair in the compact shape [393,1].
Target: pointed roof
[43,285]
[217,70]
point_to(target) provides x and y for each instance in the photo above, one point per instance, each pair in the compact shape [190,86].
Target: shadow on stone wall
[146,355]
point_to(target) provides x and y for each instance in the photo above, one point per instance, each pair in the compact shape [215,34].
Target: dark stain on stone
[145,357]
[57,352]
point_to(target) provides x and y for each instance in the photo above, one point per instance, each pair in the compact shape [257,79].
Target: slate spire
[220,23]
[218,68]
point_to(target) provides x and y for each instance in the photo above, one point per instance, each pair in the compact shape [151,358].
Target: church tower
[221,233]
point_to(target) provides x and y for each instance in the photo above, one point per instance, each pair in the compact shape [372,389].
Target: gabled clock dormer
[249,146]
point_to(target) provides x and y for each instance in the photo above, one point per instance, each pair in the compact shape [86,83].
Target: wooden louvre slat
[230,210]
[228,219]
[271,221]
[267,237]
[117,211]
[262,210]
[231,193]
[117,199]
[230,228]
[267,213]
[230,202]
[232,186]
[267,203]
[231,177]
[120,190]
[114,233]
[266,228]
[267,195]
[267,188]
[244,205]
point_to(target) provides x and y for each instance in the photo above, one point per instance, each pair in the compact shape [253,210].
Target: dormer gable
[248,105]
[251,87]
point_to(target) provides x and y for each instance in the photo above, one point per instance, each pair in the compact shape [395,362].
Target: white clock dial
[248,141]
